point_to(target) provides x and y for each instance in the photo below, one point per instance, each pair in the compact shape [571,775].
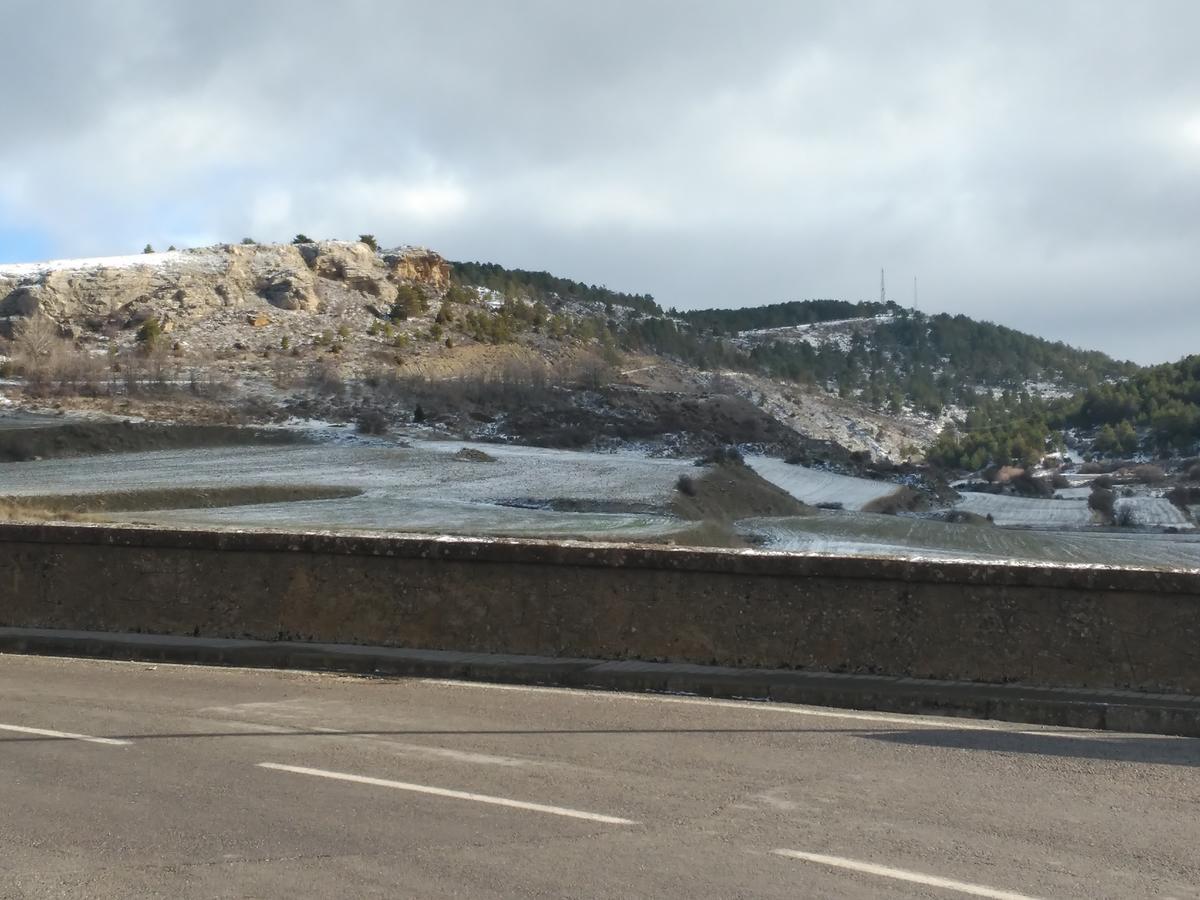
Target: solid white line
[963,887]
[789,708]
[455,795]
[65,735]
[1071,735]
[794,709]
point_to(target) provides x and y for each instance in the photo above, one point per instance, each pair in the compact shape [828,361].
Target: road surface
[136,780]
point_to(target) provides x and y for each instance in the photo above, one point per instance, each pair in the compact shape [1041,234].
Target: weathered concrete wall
[1073,626]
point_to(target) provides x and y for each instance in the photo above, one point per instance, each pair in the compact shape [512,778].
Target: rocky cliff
[188,285]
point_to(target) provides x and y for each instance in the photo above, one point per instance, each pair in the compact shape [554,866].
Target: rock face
[418,266]
[189,284]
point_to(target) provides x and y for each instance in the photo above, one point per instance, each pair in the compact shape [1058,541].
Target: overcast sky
[1032,163]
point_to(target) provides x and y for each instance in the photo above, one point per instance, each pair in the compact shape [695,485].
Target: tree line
[1152,410]
[547,288]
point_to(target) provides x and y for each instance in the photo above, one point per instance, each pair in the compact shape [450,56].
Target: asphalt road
[135,780]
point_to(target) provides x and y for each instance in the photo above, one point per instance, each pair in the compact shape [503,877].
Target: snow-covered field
[423,488]
[813,486]
[419,488]
[1074,493]
[1027,511]
[862,534]
[1150,511]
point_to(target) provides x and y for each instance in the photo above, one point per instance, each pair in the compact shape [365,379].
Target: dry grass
[93,506]
[904,499]
[53,366]
[79,438]
[707,534]
[20,512]
[729,492]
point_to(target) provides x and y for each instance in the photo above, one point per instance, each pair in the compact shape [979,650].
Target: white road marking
[463,756]
[962,887]
[460,756]
[455,795]
[790,708]
[64,735]
[1074,736]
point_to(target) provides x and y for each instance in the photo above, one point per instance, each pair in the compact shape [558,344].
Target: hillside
[886,356]
[1157,407]
[1153,411]
[343,330]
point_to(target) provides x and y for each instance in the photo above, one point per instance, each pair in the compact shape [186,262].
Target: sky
[1030,163]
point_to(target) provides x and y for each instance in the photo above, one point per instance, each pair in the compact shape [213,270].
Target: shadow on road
[1159,750]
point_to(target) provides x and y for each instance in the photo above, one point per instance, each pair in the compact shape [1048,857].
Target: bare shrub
[80,372]
[325,377]
[515,383]
[51,365]
[903,499]
[285,371]
[589,371]
[1183,496]
[686,484]
[37,336]
[1102,500]
[38,353]
[1028,486]
[470,454]
[722,456]
[1147,474]
[720,383]
[203,379]
[160,366]
[371,421]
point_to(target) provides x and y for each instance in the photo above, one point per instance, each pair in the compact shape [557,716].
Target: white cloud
[1034,163]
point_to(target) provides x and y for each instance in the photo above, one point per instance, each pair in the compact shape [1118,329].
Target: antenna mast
[882,288]
[916,305]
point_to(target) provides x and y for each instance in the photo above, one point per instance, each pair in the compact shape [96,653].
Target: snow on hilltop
[214,258]
[190,284]
[816,334]
[137,260]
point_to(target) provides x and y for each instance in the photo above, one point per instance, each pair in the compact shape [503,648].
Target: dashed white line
[452,794]
[63,735]
[853,865]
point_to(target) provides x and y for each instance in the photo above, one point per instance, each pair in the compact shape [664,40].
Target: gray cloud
[1035,164]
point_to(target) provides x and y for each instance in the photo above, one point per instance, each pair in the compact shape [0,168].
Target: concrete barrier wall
[1055,625]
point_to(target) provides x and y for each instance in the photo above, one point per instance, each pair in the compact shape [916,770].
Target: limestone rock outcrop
[190,284]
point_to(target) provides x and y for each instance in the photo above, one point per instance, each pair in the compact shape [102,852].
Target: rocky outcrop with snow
[90,294]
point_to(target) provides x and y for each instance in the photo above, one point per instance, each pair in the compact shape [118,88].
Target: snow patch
[133,261]
[813,486]
[1028,511]
[1152,512]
